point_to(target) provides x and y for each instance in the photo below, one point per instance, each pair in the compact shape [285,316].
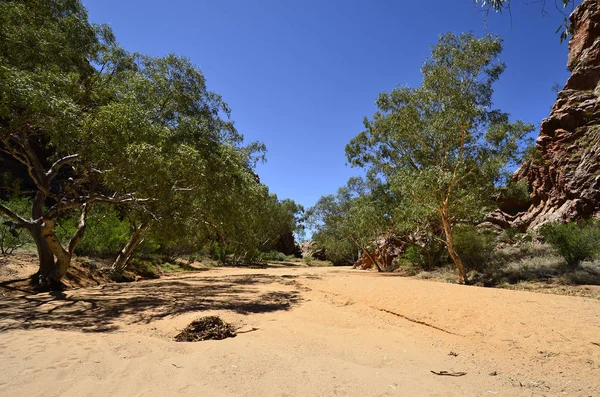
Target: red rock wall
[565,181]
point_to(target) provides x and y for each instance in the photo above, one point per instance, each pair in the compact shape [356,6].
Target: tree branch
[53,171]
[7,213]
[80,229]
[55,210]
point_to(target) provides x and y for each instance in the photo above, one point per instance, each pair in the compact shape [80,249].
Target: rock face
[287,245]
[309,249]
[564,179]
[386,254]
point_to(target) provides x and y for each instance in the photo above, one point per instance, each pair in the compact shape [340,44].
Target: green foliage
[508,235]
[274,256]
[106,232]
[575,242]
[139,132]
[412,260]
[429,254]
[351,221]
[517,191]
[144,268]
[514,197]
[308,260]
[442,147]
[501,5]
[475,247]
[532,153]
[10,237]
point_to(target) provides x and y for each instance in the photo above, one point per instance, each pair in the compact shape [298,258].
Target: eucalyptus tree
[47,51]
[443,146]
[92,124]
[352,221]
[167,139]
[245,219]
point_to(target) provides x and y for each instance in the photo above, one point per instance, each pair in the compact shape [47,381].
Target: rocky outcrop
[286,243]
[309,249]
[564,176]
[386,255]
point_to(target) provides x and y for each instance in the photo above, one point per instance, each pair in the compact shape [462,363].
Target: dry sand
[304,332]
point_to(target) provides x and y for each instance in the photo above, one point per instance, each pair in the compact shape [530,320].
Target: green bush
[474,247]
[10,237]
[274,256]
[411,262]
[431,255]
[575,242]
[143,268]
[509,235]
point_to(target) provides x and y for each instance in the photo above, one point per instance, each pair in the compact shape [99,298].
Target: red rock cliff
[564,180]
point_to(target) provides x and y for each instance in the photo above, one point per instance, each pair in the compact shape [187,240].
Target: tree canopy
[91,124]
[442,147]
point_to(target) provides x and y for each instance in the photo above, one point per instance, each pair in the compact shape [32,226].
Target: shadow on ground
[99,309]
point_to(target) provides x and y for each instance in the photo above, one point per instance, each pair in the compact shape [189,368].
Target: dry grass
[530,267]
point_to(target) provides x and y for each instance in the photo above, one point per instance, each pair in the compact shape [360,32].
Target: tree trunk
[125,254]
[47,276]
[63,257]
[462,275]
[49,247]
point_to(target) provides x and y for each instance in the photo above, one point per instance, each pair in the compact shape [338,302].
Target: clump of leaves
[205,328]
[474,246]
[575,242]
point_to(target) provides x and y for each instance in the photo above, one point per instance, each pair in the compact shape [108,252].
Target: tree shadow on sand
[98,309]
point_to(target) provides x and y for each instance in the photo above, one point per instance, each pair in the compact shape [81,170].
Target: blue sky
[301,75]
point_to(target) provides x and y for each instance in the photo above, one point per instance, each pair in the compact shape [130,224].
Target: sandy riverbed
[304,332]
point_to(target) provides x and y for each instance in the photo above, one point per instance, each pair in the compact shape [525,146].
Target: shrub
[274,256]
[508,235]
[411,261]
[514,197]
[575,242]
[474,247]
[145,269]
[308,260]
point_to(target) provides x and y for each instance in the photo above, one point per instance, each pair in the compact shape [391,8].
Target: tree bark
[54,259]
[462,275]
[125,254]
[46,275]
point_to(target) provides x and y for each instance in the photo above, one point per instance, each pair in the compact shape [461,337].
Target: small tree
[442,146]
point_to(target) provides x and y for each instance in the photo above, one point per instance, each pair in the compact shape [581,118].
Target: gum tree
[352,221]
[443,146]
[91,124]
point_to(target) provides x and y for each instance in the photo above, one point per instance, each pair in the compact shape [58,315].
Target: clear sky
[301,75]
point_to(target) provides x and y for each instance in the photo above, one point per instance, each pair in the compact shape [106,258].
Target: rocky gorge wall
[564,176]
